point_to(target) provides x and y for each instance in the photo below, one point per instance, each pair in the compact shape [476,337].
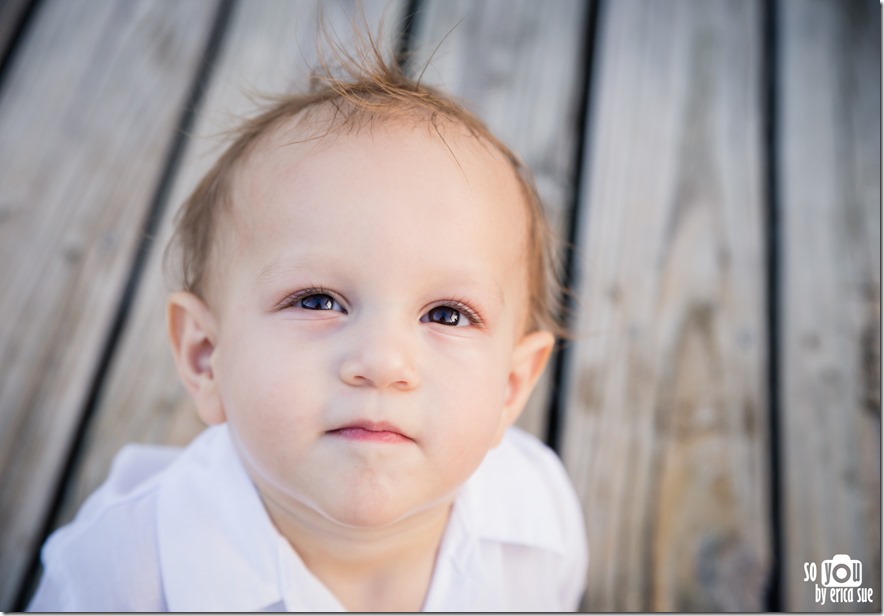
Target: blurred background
[712,166]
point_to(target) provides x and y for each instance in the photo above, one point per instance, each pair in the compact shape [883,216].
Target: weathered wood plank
[270,48]
[12,14]
[665,434]
[518,66]
[830,164]
[70,214]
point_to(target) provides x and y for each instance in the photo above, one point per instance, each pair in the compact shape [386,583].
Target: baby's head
[366,298]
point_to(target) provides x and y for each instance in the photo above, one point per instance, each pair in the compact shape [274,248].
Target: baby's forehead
[294,145]
[324,128]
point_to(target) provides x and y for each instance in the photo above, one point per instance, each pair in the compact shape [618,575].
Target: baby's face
[369,303]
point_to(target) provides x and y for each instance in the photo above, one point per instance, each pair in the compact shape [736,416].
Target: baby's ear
[192,332]
[529,359]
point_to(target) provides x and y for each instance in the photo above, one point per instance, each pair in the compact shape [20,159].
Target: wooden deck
[715,164]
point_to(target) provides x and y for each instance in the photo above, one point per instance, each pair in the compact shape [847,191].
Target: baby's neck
[370,569]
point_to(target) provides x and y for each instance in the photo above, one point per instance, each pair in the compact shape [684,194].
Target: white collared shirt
[186,531]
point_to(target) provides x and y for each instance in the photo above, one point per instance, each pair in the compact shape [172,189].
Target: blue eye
[446,315]
[317,301]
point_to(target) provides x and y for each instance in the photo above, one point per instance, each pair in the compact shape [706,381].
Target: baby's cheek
[479,407]
[255,390]
[270,426]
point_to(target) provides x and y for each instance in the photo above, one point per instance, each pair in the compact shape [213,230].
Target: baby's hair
[371,89]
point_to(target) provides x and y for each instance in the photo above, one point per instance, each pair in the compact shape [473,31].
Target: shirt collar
[218,548]
[504,500]
[501,503]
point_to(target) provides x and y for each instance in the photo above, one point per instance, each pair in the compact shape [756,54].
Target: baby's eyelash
[292,299]
[461,306]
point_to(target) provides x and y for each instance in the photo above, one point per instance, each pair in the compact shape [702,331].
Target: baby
[365,311]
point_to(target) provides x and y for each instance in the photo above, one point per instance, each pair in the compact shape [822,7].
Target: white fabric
[188,532]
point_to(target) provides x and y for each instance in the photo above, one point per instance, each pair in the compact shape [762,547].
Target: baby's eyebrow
[472,285]
[498,291]
[271,271]
[280,267]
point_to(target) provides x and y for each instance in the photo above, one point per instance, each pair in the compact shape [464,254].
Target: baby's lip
[365,430]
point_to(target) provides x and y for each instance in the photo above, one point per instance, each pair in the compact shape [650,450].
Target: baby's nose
[382,360]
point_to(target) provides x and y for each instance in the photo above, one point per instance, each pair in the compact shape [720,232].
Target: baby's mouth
[371,432]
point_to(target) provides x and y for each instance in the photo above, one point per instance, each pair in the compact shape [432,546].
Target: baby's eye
[319,301]
[446,315]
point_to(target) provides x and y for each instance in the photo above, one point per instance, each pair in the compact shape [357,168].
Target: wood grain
[269,48]
[830,162]
[666,425]
[12,16]
[518,65]
[70,214]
